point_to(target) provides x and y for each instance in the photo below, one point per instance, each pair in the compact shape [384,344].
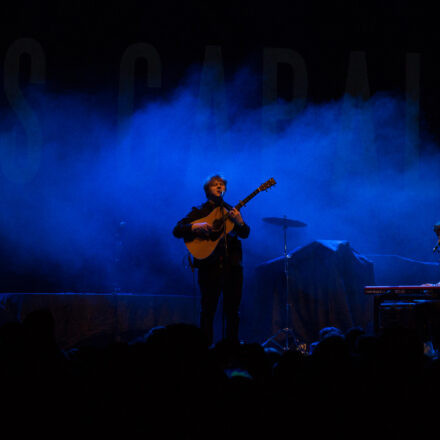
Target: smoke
[88,203]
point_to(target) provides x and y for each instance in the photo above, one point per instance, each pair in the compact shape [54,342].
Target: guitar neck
[243,202]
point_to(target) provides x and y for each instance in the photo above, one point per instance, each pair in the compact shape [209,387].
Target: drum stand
[288,334]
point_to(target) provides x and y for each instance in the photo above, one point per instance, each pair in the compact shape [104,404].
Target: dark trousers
[213,281]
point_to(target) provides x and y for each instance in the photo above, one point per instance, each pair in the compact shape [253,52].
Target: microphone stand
[225,256]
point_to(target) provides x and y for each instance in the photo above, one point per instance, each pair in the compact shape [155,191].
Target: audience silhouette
[170,384]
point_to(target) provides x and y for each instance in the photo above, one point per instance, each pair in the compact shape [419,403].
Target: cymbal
[285,222]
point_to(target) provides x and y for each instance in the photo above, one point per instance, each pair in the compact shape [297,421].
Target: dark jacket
[234,251]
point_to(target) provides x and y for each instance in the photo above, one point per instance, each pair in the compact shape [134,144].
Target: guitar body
[203,247]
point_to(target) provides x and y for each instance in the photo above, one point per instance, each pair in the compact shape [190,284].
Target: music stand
[287,332]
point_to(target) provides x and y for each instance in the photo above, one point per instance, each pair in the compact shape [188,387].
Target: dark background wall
[114,112]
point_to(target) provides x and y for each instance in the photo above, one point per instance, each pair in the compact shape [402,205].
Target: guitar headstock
[264,187]
[268,184]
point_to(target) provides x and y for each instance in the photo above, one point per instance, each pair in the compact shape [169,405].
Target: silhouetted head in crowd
[39,327]
[368,347]
[329,331]
[187,337]
[176,339]
[288,362]
[324,333]
[332,345]
[154,336]
[12,337]
[273,355]
[352,335]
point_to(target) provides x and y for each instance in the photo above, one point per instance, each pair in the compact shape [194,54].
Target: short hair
[326,332]
[437,227]
[210,179]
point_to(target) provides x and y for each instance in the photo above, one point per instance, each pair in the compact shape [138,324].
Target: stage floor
[100,318]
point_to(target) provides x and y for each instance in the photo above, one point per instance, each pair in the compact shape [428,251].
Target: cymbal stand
[286,332]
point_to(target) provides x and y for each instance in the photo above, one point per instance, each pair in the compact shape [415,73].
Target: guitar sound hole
[217,225]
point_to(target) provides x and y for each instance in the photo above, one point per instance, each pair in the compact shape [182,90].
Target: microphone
[222,194]
[436,246]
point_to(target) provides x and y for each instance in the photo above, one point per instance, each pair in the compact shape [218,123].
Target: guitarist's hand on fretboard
[235,215]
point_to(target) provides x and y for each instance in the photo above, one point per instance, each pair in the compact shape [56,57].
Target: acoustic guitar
[218,218]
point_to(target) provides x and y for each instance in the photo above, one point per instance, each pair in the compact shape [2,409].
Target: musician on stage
[437,230]
[436,249]
[222,271]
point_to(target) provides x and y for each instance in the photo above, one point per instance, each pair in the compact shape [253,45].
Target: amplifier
[414,307]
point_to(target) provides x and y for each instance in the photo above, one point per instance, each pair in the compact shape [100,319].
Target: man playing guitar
[221,271]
